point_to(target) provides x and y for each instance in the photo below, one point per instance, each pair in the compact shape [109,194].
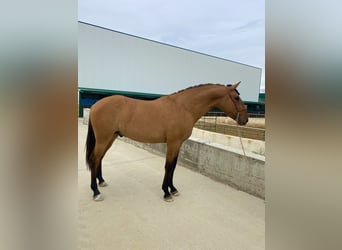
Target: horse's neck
[200,101]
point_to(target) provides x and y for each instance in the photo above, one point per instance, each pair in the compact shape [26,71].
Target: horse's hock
[224,163]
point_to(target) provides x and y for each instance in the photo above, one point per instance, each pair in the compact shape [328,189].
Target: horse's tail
[90,144]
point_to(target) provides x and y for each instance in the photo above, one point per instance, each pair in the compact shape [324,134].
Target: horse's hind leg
[96,171]
[102,182]
[98,154]
[170,165]
[93,185]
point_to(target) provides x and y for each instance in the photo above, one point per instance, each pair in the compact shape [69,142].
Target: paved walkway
[133,215]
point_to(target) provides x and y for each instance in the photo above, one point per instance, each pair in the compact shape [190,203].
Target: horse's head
[233,106]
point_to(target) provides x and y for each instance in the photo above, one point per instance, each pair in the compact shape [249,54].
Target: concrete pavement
[133,215]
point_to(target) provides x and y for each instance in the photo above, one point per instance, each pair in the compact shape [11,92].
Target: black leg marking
[168,179]
[93,184]
[165,185]
[172,187]
[99,173]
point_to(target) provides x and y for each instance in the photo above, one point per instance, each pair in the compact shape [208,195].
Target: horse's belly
[146,135]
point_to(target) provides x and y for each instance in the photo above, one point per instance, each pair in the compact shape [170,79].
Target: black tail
[90,144]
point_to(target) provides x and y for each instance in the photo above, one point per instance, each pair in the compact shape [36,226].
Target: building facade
[112,62]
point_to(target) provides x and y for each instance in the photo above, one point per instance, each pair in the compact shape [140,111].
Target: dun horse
[169,120]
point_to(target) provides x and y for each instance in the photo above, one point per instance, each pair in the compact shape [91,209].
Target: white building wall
[116,61]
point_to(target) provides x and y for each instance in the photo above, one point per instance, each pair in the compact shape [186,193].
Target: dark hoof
[168,198]
[98,197]
[175,193]
[103,184]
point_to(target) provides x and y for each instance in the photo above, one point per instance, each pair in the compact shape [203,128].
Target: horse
[168,119]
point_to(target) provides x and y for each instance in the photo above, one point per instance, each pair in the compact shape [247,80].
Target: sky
[234,30]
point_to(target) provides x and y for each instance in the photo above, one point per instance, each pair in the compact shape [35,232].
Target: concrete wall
[221,163]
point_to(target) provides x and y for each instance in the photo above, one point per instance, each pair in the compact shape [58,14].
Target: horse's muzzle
[241,119]
[242,122]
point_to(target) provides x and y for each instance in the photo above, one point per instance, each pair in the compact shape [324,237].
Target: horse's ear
[236,85]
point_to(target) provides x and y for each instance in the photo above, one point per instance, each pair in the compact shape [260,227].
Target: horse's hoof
[175,193]
[168,199]
[103,184]
[98,197]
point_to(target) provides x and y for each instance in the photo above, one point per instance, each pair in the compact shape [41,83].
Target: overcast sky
[234,30]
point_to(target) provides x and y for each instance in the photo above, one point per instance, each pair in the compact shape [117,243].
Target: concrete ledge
[222,163]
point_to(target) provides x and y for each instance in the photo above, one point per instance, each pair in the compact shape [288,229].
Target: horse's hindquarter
[105,115]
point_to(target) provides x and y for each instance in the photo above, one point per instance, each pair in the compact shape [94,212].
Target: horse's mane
[202,85]
[197,86]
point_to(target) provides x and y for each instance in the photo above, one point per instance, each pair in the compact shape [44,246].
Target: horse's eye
[237,98]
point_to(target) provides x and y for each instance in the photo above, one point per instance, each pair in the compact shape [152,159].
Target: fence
[212,122]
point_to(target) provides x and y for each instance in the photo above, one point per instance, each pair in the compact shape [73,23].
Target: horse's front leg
[170,165]
[173,190]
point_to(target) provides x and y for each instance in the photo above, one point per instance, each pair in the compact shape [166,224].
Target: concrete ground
[133,215]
